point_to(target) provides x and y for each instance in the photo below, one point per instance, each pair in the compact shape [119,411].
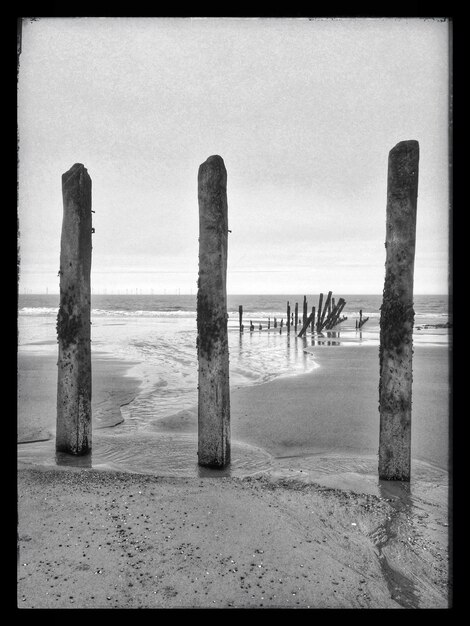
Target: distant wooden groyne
[324,317]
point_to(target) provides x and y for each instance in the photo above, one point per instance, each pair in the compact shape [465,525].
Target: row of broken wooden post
[327,318]
[74,433]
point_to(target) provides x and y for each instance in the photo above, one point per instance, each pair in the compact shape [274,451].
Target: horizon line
[147,293]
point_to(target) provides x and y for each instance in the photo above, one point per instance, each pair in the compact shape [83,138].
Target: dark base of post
[394,454]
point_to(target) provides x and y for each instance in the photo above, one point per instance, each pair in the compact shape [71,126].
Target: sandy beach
[299,520]
[98,539]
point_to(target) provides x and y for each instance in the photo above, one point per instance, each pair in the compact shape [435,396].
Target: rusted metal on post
[397,314]
[74,418]
[212,340]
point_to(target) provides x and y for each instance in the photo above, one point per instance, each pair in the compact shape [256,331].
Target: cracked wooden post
[397,314]
[212,340]
[73,432]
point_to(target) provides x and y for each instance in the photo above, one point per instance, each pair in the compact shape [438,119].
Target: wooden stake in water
[397,314]
[288,317]
[73,433]
[305,325]
[296,316]
[320,301]
[326,309]
[212,340]
[240,317]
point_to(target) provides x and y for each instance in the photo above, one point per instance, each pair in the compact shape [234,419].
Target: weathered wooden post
[288,317]
[212,340]
[313,318]
[304,312]
[336,313]
[305,325]
[73,433]
[326,309]
[397,314]
[320,301]
[240,317]
[296,316]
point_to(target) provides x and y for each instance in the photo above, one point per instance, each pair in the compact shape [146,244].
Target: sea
[156,335]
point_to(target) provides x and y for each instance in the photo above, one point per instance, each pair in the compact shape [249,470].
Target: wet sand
[37,391]
[314,528]
[334,409]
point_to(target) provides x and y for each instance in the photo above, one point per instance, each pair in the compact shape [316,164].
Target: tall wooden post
[326,309]
[397,314]
[73,432]
[288,317]
[212,340]
[296,316]
[313,318]
[320,301]
[304,311]
[240,316]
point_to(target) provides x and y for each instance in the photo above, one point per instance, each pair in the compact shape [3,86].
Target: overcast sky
[303,112]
